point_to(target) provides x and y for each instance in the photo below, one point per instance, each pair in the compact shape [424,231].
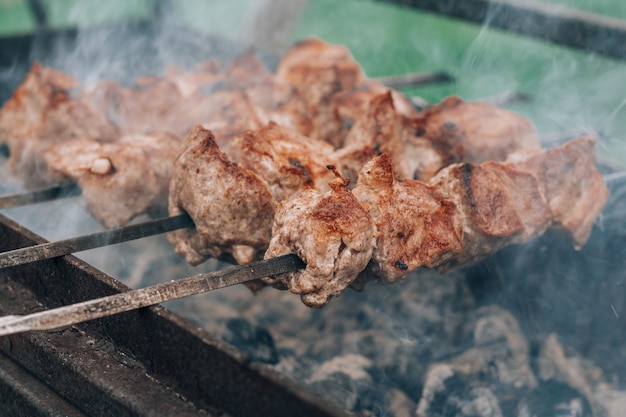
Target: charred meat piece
[46,109]
[421,145]
[381,129]
[331,232]
[286,160]
[466,212]
[231,206]
[470,132]
[196,81]
[576,202]
[119,180]
[231,196]
[228,113]
[495,204]
[328,90]
[414,228]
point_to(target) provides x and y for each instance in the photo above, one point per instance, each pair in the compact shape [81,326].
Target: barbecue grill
[155,362]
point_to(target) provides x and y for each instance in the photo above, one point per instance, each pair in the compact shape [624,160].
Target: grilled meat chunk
[469,132]
[46,109]
[118,180]
[331,232]
[381,129]
[236,192]
[231,206]
[571,184]
[466,212]
[420,145]
[286,160]
[414,228]
[329,90]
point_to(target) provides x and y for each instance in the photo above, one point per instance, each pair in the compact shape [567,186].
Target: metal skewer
[94,240]
[131,300]
[38,196]
[415,79]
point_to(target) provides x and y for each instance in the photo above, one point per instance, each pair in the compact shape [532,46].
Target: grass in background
[15,18]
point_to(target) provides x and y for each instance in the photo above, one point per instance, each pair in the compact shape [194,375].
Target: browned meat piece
[231,206]
[286,160]
[152,106]
[492,205]
[317,57]
[331,232]
[414,229]
[194,82]
[118,180]
[576,202]
[328,90]
[421,145]
[45,110]
[236,192]
[378,130]
[227,113]
[466,212]
[497,204]
[169,105]
[470,132]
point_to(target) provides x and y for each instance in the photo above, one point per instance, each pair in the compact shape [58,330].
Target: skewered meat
[331,232]
[286,160]
[575,203]
[44,110]
[382,130]
[232,207]
[421,145]
[464,213]
[469,132]
[329,90]
[231,196]
[118,180]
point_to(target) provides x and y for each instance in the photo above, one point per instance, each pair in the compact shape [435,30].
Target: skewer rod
[95,240]
[412,80]
[38,196]
[131,300]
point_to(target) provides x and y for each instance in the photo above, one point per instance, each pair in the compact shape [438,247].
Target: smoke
[390,333]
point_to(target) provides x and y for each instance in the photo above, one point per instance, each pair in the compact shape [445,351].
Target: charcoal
[342,379]
[385,401]
[449,393]
[554,399]
[485,380]
[396,362]
[551,287]
[253,340]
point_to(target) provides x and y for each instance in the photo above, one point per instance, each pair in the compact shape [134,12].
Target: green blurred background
[568,89]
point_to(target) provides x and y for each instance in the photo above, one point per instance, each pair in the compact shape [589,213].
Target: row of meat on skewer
[313,159]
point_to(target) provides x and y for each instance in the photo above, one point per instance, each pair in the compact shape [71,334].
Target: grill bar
[559,24]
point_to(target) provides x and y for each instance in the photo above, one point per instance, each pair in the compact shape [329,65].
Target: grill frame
[575,28]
